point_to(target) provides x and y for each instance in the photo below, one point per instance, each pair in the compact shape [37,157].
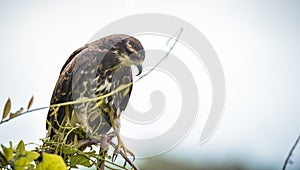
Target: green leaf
[20,164]
[7,108]
[8,152]
[31,156]
[79,160]
[51,162]
[20,150]
[25,160]
[21,146]
[69,150]
[91,154]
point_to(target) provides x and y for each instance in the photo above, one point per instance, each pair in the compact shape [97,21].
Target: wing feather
[70,81]
[89,72]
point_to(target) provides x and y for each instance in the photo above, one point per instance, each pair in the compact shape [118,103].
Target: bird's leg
[103,149]
[115,122]
[120,146]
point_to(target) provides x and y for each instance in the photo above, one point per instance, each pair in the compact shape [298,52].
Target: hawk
[92,71]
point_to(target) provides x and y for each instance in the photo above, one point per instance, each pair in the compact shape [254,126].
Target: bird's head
[130,51]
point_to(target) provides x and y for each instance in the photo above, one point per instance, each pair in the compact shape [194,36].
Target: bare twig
[290,154]
[178,34]
[23,113]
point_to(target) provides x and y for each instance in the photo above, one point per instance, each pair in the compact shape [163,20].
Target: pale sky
[257,44]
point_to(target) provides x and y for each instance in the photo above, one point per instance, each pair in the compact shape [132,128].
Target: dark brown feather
[92,71]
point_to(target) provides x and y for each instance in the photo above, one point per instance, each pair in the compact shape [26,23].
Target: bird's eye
[134,46]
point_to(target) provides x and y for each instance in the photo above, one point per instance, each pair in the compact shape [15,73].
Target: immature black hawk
[91,71]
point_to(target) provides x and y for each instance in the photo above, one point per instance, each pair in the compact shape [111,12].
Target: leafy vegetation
[19,159]
[53,155]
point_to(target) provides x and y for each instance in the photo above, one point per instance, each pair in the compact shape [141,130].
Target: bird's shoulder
[85,59]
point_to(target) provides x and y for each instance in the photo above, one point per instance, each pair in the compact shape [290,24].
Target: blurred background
[257,44]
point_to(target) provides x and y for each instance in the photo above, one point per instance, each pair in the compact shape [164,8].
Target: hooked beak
[140,68]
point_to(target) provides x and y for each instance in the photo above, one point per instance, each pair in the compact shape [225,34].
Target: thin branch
[290,154]
[33,110]
[178,34]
